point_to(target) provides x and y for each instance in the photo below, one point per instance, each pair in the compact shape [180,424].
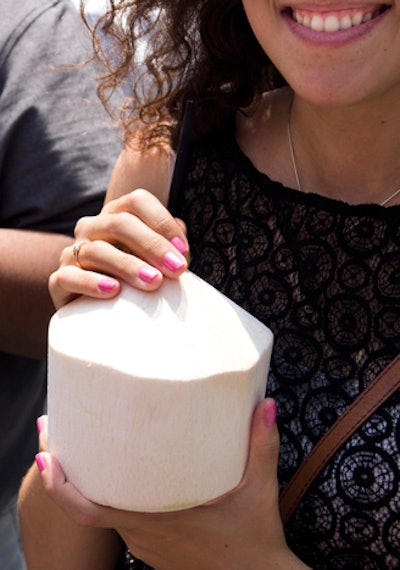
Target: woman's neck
[351,154]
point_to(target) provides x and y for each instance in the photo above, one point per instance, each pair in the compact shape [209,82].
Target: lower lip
[332,38]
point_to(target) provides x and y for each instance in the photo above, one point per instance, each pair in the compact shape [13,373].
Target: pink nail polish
[39,425]
[106,285]
[40,462]
[173,262]
[179,244]
[270,414]
[147,274]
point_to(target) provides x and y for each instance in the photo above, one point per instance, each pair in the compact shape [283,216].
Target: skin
[44,523]
[241,530]
[345,118]
[25,303]
[201,538]
[132,170]
[344,92]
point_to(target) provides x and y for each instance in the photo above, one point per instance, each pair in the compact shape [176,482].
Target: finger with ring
[75,251]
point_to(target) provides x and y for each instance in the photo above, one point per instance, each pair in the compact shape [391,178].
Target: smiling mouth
[335,21]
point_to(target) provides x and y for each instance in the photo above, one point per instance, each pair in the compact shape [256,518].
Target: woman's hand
[134,239]
[242,530]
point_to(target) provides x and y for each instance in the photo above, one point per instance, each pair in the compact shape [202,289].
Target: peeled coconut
[151,395]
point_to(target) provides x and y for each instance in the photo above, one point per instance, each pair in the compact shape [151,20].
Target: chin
[342,92]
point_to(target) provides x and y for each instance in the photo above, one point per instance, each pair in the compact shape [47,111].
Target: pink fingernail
[173,262]
[179,244]
[270,414]
[40,462]
[39,425]
[106,285]
[147,274]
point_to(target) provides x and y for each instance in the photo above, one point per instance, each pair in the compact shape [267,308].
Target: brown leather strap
[384,385]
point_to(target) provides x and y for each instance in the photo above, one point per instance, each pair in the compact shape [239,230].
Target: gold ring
[75,251]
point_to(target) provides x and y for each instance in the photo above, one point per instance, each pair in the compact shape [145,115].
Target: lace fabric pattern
[325,277]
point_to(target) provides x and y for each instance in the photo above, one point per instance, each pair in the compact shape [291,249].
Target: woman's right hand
[134,239]
[241,529]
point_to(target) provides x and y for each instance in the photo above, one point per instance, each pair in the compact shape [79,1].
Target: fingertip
[180,245]
[109,287]
[150,275]
[266,413]
[174,263]
[269,413]
[52,474]
[264,422]
[40,461]
[39,424]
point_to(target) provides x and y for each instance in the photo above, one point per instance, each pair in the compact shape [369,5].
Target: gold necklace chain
[295,170]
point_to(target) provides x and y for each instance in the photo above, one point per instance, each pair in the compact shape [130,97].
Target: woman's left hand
[240,530]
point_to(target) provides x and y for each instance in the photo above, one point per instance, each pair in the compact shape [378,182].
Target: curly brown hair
[171,51]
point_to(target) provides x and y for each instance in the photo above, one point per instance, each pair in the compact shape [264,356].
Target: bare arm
[27,259]
[135,169]
[48,534]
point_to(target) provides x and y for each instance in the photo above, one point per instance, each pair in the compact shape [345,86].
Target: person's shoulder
[16,15]
[33,21]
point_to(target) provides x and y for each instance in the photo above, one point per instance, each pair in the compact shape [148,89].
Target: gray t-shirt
[57,150]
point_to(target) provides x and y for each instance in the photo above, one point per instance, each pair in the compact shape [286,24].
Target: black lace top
[325,277]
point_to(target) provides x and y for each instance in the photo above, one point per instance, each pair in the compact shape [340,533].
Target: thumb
[264,444]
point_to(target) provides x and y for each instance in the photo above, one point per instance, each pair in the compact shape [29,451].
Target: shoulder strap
[384,385]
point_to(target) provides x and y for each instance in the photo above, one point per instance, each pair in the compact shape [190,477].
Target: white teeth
[345,22]
[331,23]
[317,24]
[357,18]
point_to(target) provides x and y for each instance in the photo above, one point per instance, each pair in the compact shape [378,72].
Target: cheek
[257,12]
[266,22]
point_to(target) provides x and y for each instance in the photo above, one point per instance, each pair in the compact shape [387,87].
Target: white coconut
[151,395]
